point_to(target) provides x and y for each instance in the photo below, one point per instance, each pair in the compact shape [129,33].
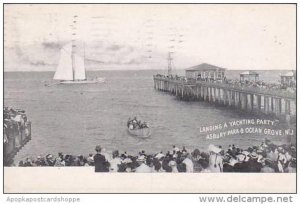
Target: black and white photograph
[149,93]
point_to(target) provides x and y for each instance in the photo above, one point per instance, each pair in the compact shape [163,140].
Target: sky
[241,37]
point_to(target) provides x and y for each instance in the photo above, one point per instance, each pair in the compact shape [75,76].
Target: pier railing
[251,90]
[252,98]
[234,87]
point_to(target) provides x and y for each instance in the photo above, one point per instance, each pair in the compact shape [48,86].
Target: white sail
[64,70]
[79,70]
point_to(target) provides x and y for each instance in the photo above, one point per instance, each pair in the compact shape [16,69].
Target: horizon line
[149,70]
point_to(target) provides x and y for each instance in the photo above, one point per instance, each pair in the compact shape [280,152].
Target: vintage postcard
[149,98]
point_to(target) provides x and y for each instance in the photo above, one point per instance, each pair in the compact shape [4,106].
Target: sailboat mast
[73,44]
[72,56]
[170,63]
[84,58]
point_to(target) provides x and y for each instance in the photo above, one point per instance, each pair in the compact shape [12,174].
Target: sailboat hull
[95,81]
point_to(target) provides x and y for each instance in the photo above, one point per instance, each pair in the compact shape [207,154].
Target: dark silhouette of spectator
[101,164]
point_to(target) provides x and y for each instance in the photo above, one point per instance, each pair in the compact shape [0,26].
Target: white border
[132,198]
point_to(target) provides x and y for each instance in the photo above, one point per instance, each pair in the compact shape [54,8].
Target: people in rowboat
[136,124]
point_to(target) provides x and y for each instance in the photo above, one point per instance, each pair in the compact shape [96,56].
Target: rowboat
[140,132]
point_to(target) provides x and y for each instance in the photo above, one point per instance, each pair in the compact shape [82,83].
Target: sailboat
[71,69]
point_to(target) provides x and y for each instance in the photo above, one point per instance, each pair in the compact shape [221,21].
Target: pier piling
[277,103]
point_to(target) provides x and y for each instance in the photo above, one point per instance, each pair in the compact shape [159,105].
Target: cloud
[52,45]
[46,54]
[31,55]
[114,47]
[134,61]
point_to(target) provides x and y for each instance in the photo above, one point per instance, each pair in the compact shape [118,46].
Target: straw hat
[141,158]
[213,148]
[90,159]
[172,163]
[259,151]
[58,159]
[176,149]
[245,153]
[253,155]
[232,162]
[159,156]
[241,157]
[127,161]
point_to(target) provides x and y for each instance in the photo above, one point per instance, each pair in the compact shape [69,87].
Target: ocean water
[75,118]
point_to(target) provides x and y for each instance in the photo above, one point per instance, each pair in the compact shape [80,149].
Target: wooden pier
[277,103]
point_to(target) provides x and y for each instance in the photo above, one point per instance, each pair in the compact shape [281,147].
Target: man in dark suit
[101,164]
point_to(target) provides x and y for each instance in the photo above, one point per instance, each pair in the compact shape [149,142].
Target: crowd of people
[136,124]
[258,84]
[14,121]
[266,157]
[175,77]
[254,84]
